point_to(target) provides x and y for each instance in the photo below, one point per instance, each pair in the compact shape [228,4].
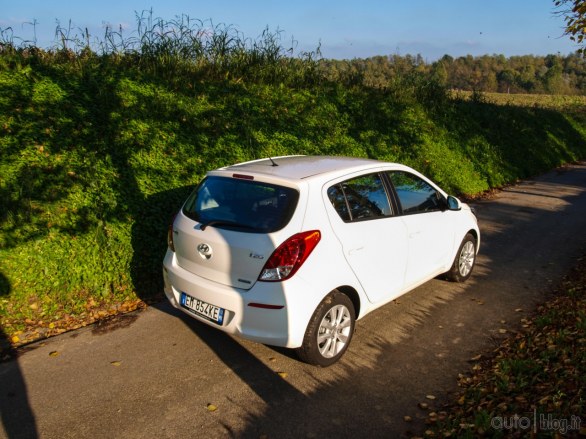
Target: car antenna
[273,162]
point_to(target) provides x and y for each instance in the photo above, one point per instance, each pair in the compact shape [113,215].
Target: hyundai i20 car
[291,251]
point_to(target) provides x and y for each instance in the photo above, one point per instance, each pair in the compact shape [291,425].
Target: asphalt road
[154,373]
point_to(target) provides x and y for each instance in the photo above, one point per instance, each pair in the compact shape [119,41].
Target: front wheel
[464,261]
[329,331]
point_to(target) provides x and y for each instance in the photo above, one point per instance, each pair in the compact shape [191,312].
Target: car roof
[301,167]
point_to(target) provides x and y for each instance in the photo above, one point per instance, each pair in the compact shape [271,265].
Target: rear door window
[360,198]
[244,205]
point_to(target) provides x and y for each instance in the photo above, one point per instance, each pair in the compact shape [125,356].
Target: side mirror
[454,203]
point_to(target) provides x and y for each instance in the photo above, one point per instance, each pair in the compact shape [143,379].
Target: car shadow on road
[16,413]
[265,382]
[349,399]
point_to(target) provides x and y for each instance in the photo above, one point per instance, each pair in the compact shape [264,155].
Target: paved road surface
[153,373]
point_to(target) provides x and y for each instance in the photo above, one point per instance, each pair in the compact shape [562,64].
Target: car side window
[338,200]
[415,194]
[360,198]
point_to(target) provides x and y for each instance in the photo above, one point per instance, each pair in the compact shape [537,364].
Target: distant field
[524,100]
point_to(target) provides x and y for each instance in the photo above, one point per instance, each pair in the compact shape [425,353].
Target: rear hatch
[223,232]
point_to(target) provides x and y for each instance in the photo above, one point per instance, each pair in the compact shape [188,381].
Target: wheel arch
[353,296]
[474,233]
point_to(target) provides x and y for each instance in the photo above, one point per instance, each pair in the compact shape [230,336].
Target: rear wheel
[329,331]
[464,261]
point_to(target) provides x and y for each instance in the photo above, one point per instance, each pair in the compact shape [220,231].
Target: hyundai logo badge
[204,250]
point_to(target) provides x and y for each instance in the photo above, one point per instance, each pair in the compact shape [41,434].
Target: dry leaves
[540,370]
[45,326]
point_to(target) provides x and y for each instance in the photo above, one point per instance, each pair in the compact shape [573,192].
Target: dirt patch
[114,323]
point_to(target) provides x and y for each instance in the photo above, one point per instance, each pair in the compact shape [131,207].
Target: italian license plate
[203,309]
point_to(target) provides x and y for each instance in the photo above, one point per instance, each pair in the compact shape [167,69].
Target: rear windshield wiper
[227,223]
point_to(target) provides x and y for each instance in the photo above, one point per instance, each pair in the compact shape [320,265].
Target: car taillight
[170,242]
[289,256]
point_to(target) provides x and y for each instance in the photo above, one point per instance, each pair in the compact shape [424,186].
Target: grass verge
[534,383]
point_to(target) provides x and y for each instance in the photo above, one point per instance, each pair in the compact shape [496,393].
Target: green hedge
[96,155]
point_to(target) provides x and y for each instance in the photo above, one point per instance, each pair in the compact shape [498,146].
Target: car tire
[464,260]
[329,331]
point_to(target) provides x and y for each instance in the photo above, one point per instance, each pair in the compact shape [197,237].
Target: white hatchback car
[291,251]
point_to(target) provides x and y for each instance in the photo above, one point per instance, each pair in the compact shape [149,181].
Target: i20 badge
[204,250]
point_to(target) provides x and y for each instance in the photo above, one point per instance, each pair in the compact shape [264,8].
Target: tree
[506,79]
[439,73]
[574,13]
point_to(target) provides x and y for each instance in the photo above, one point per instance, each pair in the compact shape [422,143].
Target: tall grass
[181,46]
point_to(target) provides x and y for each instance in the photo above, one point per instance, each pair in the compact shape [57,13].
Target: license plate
[203,309]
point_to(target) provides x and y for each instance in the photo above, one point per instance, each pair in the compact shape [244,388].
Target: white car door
[429,227]
[372,236]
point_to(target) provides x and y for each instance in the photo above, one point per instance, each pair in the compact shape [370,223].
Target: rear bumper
[275,326]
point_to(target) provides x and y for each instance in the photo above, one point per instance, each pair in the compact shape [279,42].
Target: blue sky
[345,29]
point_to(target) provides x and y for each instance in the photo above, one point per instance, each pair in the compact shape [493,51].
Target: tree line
[185,45]
[551,74]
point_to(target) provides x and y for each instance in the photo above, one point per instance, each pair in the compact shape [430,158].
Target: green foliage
[555,74]
[98,151]
[574,13]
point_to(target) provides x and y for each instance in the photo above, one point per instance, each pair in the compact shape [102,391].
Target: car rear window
[243,205]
